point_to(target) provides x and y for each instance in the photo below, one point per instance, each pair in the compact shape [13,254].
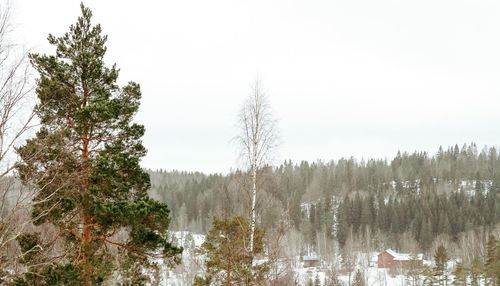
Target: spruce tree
[342,227]
[84,160]
[359,279]
[317,281]
[426,234]
[356,213]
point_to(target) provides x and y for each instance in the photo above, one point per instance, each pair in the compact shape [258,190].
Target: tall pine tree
[440,269]
[84,160]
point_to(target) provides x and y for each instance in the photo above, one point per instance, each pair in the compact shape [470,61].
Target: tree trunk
[254,198]
[87,219]
[229,278]
[86,239]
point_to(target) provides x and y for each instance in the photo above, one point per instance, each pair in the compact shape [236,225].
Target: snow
[373,275]
[183,274]
[366,263]
[184,238]
[403,256]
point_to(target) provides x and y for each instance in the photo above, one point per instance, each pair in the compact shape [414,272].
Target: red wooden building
[311,261]
[391,259]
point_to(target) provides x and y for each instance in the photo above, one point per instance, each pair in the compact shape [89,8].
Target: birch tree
[15,87]
[16,121]
[257,140]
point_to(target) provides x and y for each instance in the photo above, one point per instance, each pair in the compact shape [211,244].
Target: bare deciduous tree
[257,139]
[16,120]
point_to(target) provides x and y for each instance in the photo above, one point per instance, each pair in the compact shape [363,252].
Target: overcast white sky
[351,77]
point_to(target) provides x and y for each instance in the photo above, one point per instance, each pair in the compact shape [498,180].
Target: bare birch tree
[16,119]
[257,140]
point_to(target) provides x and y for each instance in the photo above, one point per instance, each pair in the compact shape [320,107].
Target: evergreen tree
[428,275]
[497,262]
[475,272]
[414,271]
[84,161]
[356,212]
[460,275]
[367,212]
[426,234]
[441,261]
[359,279]
[492,263]
[317,282]
[227,259]
[342,229]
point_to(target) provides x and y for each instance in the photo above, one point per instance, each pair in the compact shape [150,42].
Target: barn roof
[403,256]
[310,258]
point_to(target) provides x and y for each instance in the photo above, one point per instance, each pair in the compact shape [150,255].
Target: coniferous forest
[414,202]
[79,207]
[414,196]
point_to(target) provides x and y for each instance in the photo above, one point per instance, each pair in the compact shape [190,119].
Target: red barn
[391,259]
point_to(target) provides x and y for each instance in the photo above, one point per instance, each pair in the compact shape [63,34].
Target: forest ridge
[414,195]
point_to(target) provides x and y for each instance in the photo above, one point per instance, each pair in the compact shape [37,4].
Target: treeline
[424,215]
[451,192]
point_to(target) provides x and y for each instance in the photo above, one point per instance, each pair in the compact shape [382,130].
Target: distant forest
[408,202]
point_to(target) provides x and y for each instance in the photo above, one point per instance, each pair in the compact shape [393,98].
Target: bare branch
[17,120]
[257,139]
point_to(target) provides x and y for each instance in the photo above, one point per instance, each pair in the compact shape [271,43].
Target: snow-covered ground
[192,262]
[373,276]
[366,263]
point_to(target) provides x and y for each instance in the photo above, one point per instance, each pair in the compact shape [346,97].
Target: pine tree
[441,261]
[414,271]
[460,275]
[492,263]
[227,259]
[84,160]
[428,278]
[475,272]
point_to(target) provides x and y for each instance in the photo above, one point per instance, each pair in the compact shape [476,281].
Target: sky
[344,78]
